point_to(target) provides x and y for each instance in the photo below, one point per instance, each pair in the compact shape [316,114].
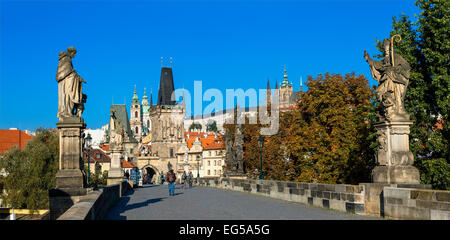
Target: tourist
[161,178]
[171,180]
[190,177]
[184,179]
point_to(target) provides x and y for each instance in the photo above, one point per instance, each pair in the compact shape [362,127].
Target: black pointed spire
[166,87]
[276,84]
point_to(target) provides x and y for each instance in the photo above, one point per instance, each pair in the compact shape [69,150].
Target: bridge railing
[95,204]
[397,201]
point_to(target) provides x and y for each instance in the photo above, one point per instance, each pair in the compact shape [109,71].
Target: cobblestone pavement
[152,202]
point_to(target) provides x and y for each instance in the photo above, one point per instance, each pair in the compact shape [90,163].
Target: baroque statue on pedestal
[116,137]
[70,92]
[392,74]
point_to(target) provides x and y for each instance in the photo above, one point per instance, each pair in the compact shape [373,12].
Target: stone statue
[394,159]
[70,96]
[239,149]
[116,133]
[392,74]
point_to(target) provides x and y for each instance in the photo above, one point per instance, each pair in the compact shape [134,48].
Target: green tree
[31,172]
[195,126]
[212,127]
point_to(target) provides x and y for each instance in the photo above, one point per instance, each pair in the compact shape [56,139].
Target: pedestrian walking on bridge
[184,180]
[190,177]
[171,180]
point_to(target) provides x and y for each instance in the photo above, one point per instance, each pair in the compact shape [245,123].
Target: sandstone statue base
[115,174]
[69,180]
[394,158]
[396,174]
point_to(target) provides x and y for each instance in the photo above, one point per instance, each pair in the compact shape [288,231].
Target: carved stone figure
[116,134]
[70,95]
[239,149]
[394,159]
[392,74]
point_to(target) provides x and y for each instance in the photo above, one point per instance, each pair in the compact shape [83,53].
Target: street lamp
[88,146]
[260,145]
[198,167]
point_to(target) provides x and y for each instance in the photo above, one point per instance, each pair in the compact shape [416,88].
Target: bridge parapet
[342,197]
[95,204]
[396,201]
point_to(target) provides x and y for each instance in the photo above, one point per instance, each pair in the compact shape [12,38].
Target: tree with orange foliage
[329,133]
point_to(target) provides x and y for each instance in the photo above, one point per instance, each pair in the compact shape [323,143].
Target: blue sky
[226,44]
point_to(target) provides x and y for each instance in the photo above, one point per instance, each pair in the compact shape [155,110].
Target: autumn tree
[328,133]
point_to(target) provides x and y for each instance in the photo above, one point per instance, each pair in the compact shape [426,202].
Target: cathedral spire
[301,84]
[285,78]
[276,84]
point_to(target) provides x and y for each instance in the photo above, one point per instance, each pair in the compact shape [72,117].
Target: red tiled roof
[103,158]
[211,141]
[105,147]
[10,138]
[126,164]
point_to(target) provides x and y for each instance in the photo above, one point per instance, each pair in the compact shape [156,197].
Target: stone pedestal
[395,161]
[115,174]
[69,178]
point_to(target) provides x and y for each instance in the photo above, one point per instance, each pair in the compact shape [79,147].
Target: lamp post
[260,145]
[88,146]
[198,167]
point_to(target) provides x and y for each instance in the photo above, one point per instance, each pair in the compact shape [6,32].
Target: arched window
[137,130]
[136,114]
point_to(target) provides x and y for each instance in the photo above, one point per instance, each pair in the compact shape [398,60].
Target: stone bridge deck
[152,202]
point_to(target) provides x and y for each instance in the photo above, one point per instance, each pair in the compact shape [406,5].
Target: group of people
[186,180]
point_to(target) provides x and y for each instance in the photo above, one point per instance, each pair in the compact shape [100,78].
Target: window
[215,172]
[209,172]
[137,130]
[131,150]
[219,163]
[136,114]
[171,152]
[148,123]
[215,163]
[209,163]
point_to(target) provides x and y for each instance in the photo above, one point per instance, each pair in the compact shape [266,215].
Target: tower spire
[285,78]
[301,84]
[151,97]
[135,99]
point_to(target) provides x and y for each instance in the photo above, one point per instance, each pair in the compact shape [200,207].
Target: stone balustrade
[392,201]
[95,204]
[342,197]
[410,203]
